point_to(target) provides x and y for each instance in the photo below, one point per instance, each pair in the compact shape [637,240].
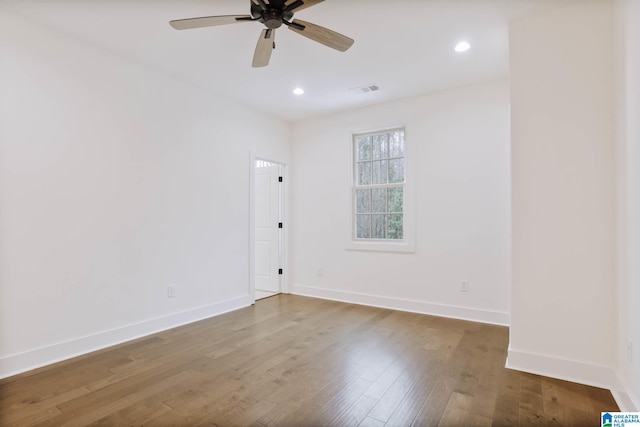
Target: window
[264,164]
[379,186]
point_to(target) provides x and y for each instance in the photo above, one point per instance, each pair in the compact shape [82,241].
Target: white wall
[459,143]
[115,181]
[563,294]
[628,203]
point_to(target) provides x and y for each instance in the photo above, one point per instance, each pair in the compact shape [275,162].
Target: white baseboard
[575,371]
[625,399]
[563,369]
[463,313]
[18,363]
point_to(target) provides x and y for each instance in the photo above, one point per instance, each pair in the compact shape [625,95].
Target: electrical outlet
[464,286]
[319,272]
[171,291]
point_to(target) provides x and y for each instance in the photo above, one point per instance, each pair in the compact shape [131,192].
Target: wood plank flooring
[296,361]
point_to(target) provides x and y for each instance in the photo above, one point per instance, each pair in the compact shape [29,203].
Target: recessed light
[298,91]
[462,46]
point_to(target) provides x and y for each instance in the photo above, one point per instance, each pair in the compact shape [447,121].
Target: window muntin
[378,187]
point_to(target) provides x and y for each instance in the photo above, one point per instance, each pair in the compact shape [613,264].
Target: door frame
[284,236]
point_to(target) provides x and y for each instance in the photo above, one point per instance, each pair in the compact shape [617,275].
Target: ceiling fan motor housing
[273,16]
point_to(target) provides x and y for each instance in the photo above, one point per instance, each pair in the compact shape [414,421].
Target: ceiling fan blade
[265,46]
[322,35]
[305,4]
[208,21]
[260,3]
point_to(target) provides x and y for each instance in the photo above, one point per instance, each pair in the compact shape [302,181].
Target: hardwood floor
[296,361]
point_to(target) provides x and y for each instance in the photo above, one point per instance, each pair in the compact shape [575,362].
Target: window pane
[379,185]
[394,226]
[364,173]
[396,170]
[377,226]
[396,144]
[379,200]
[395,199]
[363,226]
[363,201]
[379,172]
[379,146]
[364,148]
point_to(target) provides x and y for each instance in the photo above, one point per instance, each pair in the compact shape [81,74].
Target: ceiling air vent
[365,89]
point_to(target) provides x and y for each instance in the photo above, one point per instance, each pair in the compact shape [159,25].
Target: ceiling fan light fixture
[462,46]
[272,14]
[298,91]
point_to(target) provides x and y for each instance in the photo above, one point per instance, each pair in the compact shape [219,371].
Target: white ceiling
[404,46]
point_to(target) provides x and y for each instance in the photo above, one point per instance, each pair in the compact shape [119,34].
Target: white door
[267,232]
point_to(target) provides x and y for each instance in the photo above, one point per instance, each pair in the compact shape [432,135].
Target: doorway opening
[268,232]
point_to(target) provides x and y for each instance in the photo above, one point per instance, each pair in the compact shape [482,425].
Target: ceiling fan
[273,14]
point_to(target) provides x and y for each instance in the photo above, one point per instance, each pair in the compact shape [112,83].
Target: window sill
[370,246]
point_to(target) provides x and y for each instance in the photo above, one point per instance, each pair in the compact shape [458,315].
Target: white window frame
[407,243]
